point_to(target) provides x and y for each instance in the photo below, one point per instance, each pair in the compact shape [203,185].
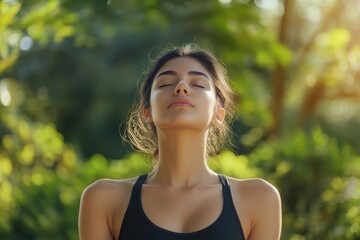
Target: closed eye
[196,85]
[165,85]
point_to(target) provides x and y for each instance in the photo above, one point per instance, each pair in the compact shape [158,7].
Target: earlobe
[147,114]
[219,115]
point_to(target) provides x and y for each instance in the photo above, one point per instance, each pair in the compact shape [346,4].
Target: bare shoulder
[107,194]
[106,189]
[101,203]
[258,205]
[254,189]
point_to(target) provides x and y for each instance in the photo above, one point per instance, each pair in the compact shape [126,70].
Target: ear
[147,114]
[219,115]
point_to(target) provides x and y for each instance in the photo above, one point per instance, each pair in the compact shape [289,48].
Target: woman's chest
[182,211]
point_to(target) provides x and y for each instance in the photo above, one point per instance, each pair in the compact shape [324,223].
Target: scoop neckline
[211,225]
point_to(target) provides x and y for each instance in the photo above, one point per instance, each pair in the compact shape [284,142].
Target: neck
[182,159]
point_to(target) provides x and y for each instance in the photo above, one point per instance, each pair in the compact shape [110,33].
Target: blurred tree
[29,151]
[318,178]
[86,86]
[325,69]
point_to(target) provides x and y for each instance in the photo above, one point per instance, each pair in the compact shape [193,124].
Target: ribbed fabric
[136,225]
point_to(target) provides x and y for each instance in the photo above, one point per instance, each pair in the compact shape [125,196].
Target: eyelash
[165,85]
[196,85]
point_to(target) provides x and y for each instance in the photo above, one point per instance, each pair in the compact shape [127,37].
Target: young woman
[181,120]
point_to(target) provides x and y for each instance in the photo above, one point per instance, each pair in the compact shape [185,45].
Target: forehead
[183,64]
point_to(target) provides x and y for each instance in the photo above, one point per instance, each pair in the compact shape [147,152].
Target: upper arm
[267,213]
[93,214]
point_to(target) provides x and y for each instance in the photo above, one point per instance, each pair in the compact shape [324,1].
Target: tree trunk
[278,76]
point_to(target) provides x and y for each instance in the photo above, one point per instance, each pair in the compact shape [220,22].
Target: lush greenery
[69,69]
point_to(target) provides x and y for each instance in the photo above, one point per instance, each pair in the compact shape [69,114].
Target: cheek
[210,99]
[156,101]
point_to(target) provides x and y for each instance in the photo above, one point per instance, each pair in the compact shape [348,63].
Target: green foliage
[32,155]
[42,22]
[41,180]
[318,180]
[7,53]
[48,19]
[235,166]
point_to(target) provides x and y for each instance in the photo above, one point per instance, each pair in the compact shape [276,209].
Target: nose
[182,89]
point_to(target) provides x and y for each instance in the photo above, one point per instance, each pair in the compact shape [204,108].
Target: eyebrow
[173,73]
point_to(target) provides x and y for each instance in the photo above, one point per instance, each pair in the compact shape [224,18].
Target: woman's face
[183,96]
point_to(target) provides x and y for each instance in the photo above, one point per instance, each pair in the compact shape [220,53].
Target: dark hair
[142,134]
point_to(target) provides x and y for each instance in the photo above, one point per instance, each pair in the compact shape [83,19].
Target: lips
[183,102]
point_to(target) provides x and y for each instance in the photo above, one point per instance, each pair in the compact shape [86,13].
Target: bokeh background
[68,75]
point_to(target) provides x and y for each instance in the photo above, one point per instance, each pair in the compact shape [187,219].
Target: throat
[182,178]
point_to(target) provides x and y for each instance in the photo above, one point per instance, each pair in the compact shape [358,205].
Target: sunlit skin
[182,130]
[183,106]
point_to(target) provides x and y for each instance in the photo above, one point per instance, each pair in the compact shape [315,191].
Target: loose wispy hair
[141,134]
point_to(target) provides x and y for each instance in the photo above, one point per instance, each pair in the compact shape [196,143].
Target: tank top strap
[140,181]
[229,206]
[136,190]
[224,180]
[226,188]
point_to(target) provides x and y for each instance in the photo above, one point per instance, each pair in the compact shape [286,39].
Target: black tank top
[136,225]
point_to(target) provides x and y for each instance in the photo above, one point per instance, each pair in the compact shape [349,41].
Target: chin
[183,123]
